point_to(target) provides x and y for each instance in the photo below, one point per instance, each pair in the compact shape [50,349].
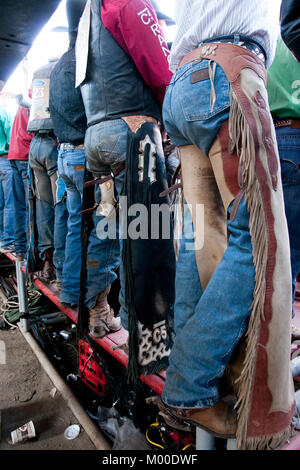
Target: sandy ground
[25,395]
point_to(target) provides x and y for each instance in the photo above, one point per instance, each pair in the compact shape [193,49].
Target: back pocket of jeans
[290,171]
[113,143]
[195,93]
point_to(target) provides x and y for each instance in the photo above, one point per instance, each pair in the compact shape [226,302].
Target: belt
[293,123]
[49,133]
[243,41]
[67,146]
[4,155]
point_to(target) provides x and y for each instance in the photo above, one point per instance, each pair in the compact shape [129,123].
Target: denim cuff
[203,403]
[65,298]
[91,303]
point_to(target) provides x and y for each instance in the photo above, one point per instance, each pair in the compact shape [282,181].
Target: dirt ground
[25,396]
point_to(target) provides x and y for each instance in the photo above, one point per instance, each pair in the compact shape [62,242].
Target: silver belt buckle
[66,146]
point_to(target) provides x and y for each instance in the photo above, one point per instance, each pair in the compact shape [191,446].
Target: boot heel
[99,331]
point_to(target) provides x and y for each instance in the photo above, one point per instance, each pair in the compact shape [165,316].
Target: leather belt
[4,155]
[195,54]
[103,179]
[243,41]
[293,123]
[48,133]
[67,146]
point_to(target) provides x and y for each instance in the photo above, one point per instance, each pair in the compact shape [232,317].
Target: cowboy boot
[102,319]
[220,420]
[49,272]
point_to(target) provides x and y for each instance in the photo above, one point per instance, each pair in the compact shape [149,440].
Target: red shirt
[20,139]
[134,25]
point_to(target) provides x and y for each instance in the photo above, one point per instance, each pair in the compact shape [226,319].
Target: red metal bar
[52,295]
[11,257]
[109,343]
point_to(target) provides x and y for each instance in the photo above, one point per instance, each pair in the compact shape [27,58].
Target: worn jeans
[106,147]
[71,166]
[6,204]
[209,322]
[186,274]
[288,141]
[60,229]
[21,209]
[43,161]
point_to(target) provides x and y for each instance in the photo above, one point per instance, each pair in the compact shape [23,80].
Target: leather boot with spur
[102,319]
[219,420]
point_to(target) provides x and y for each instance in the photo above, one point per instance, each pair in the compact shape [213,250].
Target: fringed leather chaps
[264,388]
[201,194]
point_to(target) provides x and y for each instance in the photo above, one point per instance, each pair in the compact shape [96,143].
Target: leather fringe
[241,140]
[155,367]
[273,442]
[132,367]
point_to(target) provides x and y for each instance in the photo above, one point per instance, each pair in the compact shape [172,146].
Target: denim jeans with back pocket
[21,209]
[43,161]
[288,141]
[106,147]
[209,323]
[71,168]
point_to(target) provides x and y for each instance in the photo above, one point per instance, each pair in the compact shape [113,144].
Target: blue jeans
[43,161]
[208,324]
[21,209]
[106,147]
[60,229]
[71,166]
[288,141]
[187,275]
[103,257]
[186,109]
[6,204]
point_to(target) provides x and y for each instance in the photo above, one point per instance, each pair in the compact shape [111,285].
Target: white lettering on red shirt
[148,20]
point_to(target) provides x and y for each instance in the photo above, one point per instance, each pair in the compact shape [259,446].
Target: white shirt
[198,20]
